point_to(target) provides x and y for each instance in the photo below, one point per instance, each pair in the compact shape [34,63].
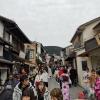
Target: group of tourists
[66,77]
[23,86]
[90,81]
[91,84]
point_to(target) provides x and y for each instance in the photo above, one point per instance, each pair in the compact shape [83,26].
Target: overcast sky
[52,22]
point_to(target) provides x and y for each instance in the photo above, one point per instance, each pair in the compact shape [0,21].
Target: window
[7,37]
[31,54]
[15,43]
[21,46]
[84,65]
[27,54]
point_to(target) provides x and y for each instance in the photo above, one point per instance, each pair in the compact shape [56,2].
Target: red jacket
[61,72]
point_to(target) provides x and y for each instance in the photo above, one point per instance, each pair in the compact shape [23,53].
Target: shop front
[5,70]
[92,47]
[95,58]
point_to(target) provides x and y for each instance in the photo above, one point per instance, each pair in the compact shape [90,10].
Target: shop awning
[68,59]
[16,57]
[30,63]
[71,56]
[5,61]
[85,54]
[4,68]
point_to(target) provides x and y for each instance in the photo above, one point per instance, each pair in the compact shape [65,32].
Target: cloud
[52,22]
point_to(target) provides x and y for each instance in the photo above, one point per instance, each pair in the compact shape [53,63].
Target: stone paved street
[73,91]
[52,84]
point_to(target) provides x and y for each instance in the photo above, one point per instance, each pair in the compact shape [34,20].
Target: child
[56,94]
[97,86]
[65,86]
[42,92]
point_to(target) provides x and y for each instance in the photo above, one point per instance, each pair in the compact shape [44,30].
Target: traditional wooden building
[12,53]
[86,42]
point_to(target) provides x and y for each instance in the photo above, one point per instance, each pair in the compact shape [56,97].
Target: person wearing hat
[24,89]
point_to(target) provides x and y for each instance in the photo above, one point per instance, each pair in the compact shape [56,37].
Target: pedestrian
[65,86]
[24,71]
[26,94]
[44,77]
[53,69]
[69,68]
[49,72]
[86,85]
[56,75]
[73,76]
[32,80]
[56,94]
[42,91]
[22,87]
[8,88]
[6,94]
[38,78]
[16,79]
[35,72]
[92,81]
[61,71]
[97,85]
[9,83]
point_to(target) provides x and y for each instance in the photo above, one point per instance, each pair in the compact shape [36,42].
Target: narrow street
[73,91]
[52,84]
[59,39]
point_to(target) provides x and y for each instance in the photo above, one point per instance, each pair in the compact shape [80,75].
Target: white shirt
[49,72]
[38,78]
[86,76]
[44,77]
[56,73]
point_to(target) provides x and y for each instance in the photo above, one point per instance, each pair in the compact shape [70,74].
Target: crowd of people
[91,84]
[22,86]
[68,77]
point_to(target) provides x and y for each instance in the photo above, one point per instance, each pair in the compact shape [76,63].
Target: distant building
[69,56]
[30,50]
[40,53]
